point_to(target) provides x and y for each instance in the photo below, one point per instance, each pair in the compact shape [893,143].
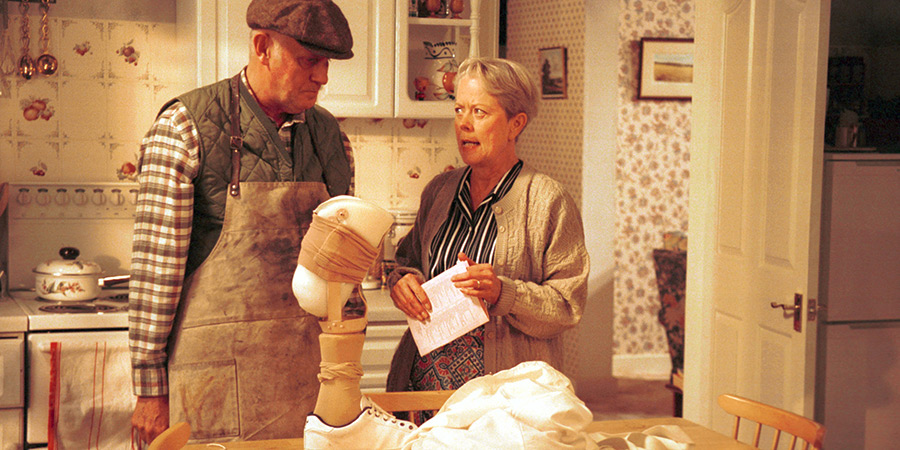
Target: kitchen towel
[90,396]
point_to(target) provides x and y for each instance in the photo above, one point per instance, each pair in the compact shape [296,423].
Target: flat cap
[318,25]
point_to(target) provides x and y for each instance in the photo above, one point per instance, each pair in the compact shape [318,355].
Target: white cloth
[95,399]
[660,437]
[531,405]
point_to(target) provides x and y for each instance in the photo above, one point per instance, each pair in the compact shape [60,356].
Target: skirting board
[647,366]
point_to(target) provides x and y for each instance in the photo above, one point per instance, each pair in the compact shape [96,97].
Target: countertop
[12,318]
[859,155]
[381,307]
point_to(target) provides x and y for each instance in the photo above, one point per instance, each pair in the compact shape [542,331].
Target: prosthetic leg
[335,255]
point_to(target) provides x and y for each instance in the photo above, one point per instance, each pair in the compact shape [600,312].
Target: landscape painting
[667,69]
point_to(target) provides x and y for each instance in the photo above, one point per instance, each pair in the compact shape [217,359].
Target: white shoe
[372,429]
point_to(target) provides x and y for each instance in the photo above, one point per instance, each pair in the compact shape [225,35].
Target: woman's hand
[478,281]
[409,297]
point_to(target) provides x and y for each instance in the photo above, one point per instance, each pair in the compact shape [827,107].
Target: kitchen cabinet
[387,45]
[475,34]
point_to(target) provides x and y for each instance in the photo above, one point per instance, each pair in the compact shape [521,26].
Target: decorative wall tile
[165,55]
[165,91]
[8,112]
[37,161]
[373,171]
[412,172]
[123,157]
[37,108]
[128,118]
[84,160]
[83,109]
[7,159]
[82,48]
[128,50]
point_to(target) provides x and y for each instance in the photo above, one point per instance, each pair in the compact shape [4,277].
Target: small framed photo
[667,69]
[553,72]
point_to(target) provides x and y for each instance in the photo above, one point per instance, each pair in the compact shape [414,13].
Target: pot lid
[69,265]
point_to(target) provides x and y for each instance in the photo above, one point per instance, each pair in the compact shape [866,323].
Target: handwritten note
[453,313]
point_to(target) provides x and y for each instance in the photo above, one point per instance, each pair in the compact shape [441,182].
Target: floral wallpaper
[652,174]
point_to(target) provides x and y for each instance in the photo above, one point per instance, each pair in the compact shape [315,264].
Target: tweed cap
[318,25]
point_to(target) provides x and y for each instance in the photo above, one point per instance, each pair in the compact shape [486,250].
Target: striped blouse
[471,232]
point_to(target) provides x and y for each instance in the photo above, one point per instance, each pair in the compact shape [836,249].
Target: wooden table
[704,438]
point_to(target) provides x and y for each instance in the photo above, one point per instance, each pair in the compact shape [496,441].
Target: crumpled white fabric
[659,437]
[531,405]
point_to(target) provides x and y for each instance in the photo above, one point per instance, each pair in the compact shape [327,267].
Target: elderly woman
[520,231]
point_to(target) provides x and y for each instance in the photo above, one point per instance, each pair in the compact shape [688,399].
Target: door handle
[796,308]
[786,308]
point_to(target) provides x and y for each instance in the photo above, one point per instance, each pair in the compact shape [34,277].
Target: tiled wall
[396,158]
[85,122]
[652,174]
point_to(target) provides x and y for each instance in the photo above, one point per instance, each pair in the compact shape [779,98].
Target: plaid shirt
[169,161]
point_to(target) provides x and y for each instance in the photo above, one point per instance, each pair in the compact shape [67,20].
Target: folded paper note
[453,313]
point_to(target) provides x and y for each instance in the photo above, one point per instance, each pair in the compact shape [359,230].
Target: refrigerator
[858,363]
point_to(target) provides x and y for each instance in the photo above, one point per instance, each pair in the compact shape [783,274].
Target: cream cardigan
[541,259]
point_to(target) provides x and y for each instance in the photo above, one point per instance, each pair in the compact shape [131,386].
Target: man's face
[296,75]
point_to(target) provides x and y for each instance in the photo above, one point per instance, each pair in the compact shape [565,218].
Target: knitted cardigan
[539,257]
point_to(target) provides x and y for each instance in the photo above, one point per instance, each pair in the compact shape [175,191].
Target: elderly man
[230,174]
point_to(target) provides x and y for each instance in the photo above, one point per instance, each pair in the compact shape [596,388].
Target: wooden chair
[410,401]
[174,438]
[812,433]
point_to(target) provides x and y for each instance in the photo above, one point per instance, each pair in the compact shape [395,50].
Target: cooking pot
[71,279]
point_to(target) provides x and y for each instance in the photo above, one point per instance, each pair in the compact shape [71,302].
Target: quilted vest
[318,155]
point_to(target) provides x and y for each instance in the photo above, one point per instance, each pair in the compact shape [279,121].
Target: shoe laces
[378,412]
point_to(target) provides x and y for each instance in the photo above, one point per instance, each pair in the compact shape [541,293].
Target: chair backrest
[812,433]
[174,438]
[410,401]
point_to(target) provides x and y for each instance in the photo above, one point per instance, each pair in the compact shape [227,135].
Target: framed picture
[553,72]
[667,69]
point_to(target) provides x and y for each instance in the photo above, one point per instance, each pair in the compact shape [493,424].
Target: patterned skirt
[448,367]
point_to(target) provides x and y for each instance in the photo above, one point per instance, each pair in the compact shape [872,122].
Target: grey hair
[514,86]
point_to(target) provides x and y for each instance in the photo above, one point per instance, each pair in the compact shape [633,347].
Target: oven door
[86,378]
[12,363]
[12,354]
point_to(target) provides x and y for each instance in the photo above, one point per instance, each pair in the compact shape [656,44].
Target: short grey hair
[514,86]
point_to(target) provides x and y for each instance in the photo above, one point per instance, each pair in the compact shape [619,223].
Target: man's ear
[262,46]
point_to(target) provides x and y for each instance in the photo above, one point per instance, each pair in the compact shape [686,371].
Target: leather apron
[243,356]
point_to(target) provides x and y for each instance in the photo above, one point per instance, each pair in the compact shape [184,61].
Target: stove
[98,219]
[109,311]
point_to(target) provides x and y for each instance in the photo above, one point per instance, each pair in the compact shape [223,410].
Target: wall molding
[648,366]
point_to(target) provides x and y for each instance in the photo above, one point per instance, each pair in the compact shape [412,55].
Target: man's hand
[151,417]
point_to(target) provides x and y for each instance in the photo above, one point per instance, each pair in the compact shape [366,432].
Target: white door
[756,164]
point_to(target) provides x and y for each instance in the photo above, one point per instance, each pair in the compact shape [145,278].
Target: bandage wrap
[334,252]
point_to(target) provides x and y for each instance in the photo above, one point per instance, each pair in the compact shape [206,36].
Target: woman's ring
[477,284]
